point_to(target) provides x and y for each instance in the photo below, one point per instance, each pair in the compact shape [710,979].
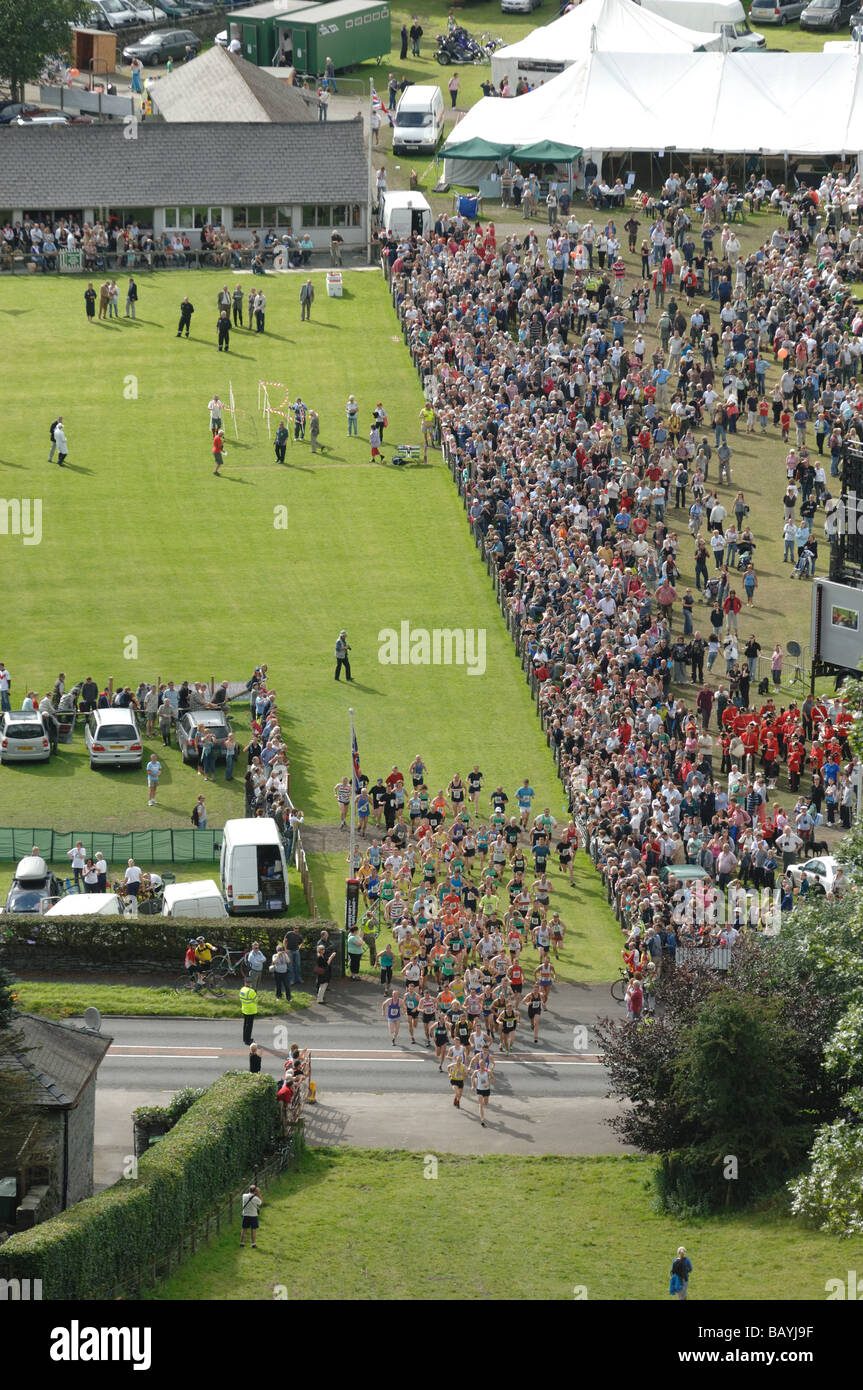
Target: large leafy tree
[702,1031]
[32,31]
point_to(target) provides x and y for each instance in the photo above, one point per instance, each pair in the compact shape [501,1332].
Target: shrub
[107,1242]
[123,939]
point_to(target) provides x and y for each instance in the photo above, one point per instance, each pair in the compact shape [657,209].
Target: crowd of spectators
[568,437]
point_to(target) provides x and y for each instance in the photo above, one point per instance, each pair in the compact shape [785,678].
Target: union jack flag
[377,104]
[355,757]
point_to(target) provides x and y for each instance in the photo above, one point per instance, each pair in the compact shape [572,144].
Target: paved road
[549,1098]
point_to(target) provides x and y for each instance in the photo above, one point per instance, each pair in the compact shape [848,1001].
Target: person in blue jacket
[681,1269]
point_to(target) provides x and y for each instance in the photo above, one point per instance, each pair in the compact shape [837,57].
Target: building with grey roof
[222,86]
[62,1062]
[297,176]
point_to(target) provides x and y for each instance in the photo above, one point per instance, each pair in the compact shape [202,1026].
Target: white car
[113,738]
[222,38]
[820,874]
[23,737]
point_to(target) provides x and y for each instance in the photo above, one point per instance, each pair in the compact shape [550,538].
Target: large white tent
[611,26]
[711,103]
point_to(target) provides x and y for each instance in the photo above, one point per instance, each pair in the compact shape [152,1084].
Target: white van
[253,870]
[402,214]
[87,905]
[418,121]
[201,898]
[726,17]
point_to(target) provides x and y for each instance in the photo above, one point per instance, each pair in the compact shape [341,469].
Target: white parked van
[402,214]
[726,17]
[201,898]
[253,870]
[418,121]
[87,905]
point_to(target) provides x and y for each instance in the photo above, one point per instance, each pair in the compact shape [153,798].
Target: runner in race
[392,1009]
[508,1022]
[545,975]
[412,1006]
[441,1040]
[457,795]
[558,931]
[457,1069]
[474,787]
[428,1013]
[482,1078]
[533,1001]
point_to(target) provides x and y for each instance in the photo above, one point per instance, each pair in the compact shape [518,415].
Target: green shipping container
[346,31]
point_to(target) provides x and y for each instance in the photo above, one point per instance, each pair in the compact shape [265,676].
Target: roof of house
[222,86]
[165,164]
[61,1057]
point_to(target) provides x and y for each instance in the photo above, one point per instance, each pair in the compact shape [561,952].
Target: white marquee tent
[711,103]
[611,26]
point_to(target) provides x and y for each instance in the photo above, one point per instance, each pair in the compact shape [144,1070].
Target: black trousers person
[248,1028]
[346,662]
[224,327]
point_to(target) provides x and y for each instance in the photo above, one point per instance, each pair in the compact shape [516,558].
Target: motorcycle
[459,47]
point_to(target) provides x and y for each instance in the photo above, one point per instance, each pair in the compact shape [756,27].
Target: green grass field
[68,1000]
[146,546]
[355,1224]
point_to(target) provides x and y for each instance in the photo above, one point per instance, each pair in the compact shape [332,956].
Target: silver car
[776,11]
[113,738]
[23,737]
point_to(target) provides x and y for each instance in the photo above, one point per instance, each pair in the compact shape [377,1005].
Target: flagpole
[353,802]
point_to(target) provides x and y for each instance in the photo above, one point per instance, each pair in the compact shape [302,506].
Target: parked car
[222,38]
[856,23]
[776,11]
[175,10]
[113,738]
[819,873]
[111,14]
[147,14]
[23,737]
[160,45]
[34,887]
[213,719]
[44,120]
[11,110]
[519,6]
[828,14]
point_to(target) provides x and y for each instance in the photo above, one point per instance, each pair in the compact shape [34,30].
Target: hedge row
[125,938]
[105,1243]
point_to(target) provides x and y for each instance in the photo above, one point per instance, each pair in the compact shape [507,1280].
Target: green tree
[739,1084]
[32,32]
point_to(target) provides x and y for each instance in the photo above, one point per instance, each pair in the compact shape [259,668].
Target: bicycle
[620,986]
[223,968]
[190,983]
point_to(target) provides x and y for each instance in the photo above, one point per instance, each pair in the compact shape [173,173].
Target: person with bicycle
[204,952]
[190,963]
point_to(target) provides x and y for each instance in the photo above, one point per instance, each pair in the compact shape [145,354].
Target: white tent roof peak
[775,103]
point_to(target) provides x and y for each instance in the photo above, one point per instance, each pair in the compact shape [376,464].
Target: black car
[162,44]
[828,14]
[214,720]
[32,885]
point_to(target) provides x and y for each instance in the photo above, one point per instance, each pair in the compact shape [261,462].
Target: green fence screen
[158,846]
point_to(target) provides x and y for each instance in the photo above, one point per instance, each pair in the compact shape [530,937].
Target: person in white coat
[60,443]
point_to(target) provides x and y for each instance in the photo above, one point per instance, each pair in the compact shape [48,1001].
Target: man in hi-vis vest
[249,1006]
